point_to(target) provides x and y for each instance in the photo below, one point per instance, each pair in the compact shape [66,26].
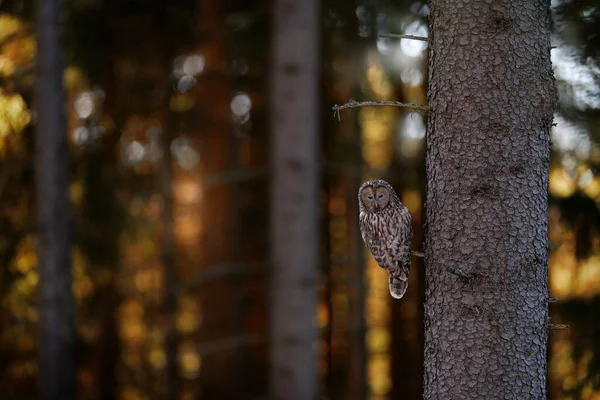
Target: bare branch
[355,104]
[552,300]
[555,327]
[401,36]
[418,254]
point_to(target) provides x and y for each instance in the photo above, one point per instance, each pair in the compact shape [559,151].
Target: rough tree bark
[294,233]
[56,333]
[492,95]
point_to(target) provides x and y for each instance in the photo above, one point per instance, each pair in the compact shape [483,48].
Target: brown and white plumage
[386,228]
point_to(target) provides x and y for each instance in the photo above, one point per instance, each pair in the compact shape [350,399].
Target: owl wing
[374,234]
[402,245]
[389,239]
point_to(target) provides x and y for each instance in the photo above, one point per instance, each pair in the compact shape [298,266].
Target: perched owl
[386,228]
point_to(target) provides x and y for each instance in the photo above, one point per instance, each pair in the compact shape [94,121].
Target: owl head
[375,196]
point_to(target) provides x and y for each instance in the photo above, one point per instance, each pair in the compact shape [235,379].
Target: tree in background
[56,304]
[215,98]
[294,200]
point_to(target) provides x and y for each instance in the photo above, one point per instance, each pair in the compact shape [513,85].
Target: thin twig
[552,300]
[401,36]
[460,272]
[418,254]
[355,104]
[555,327]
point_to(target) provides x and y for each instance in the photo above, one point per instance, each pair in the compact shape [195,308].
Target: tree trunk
[492,95]
[56,333]
[168,245]
[168,257]
[294,200]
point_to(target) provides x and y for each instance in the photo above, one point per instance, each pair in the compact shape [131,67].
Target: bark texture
[294,200]
[56,333]
[492,94]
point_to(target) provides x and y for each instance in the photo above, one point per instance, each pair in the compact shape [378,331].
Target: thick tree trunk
[492,96]
[294,200]
[56,332]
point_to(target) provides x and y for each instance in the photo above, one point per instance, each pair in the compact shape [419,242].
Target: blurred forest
[168,111]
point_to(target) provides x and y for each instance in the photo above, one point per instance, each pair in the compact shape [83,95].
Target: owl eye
[370,197]
[380,196]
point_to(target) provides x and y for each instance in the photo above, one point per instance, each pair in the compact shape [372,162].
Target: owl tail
[398,284]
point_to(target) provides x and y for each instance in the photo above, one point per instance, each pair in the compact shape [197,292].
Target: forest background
[168,127]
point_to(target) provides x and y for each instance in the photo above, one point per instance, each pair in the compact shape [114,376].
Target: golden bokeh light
[188,318]
[157,357]
[377,123]
[186,191]
[18,52]
[322,316]
[379,374]
[132,393]
[561,183]
[412,200]
[182,102]
[189,360]
[14,118]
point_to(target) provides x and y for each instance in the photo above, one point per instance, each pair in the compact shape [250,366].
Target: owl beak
[376,206]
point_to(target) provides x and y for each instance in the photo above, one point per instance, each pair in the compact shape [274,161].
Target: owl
[386,228]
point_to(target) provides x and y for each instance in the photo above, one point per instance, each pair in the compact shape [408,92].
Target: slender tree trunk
[492,95]
[169,272]
[98,236]
[168,254]
[171,28]
[294,200]
[169,248]
[56,333]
